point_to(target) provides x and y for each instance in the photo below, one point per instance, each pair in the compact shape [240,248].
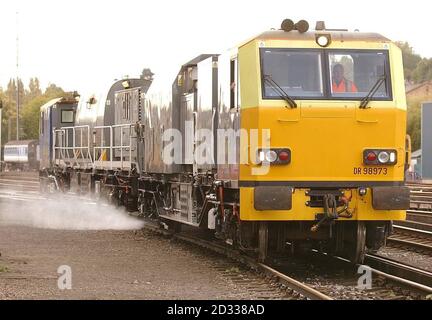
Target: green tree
[53,91]
[31,99]
[34,89]
[30,117]
[30,114]
[410,59]
[3,100]
[417,70]
[423,71]
[9,108]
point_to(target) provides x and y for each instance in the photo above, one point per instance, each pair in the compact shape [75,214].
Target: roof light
[323,40]
[126,84]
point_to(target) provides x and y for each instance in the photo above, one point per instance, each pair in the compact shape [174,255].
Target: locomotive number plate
[370,171]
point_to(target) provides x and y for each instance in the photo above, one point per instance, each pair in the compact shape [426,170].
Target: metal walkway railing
[71,146]
[100,151]
[74,147]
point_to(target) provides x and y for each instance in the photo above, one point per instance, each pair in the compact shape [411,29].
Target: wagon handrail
[111,146]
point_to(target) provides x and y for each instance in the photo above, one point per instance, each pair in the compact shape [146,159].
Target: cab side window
[234,87]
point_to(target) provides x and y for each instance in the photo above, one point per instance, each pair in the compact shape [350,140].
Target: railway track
[21,181]
[268,273]
[409,277]
[412,239]
[277,280]
[420,196]
[420,214]
[418,219]
[20,186]
[341,279]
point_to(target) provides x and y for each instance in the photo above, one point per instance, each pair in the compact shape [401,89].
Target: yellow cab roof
[311,36]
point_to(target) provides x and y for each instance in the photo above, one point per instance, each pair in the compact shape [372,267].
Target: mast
[17,80]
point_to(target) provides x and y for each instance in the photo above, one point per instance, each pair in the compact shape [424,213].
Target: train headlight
[379,157]
[274,156]
[323,40]
[383,157]
[271,156]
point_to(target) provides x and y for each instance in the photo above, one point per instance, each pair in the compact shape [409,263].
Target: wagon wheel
[51,187]
[42,186]
[130,203]
[113,197]
[173,226]
[355,245]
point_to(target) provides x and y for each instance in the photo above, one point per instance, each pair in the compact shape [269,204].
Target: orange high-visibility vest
[344,86]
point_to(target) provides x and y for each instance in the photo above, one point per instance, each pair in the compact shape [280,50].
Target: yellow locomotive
[334,102]
[294,137]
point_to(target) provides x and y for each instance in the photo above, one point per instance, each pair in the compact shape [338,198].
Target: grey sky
[80,44]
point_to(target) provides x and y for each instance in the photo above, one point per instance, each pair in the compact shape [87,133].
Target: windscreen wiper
[279,91]
[364,102]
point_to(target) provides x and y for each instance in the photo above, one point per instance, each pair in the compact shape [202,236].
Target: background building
[426,141]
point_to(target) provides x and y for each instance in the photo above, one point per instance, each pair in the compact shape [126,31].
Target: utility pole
[9,129]
[17,80]
[1,120]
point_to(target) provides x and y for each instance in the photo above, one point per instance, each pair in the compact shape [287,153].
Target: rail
[412,238]
[405,274]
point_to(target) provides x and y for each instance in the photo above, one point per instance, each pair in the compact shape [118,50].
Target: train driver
[340,84]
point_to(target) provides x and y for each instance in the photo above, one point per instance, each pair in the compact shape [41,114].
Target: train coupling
[331,203]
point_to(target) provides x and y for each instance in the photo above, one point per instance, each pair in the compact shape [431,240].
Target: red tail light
[371,156]
[284,156]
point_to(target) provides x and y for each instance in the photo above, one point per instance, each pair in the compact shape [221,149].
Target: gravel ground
[419,260]
[108,265]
